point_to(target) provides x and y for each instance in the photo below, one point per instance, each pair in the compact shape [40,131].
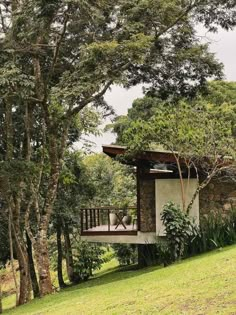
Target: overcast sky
[223,44]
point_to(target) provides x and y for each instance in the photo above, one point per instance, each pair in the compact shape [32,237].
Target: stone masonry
[147,206]
[217,196]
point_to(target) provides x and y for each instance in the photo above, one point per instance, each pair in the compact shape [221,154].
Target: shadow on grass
[114,275]
[123,273]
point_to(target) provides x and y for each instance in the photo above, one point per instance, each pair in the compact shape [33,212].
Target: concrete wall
[170,190]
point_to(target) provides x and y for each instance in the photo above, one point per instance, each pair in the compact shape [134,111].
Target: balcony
[109,220]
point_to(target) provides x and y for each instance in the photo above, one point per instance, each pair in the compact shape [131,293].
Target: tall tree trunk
[41,243]
[34,281]
[59,255]
[25,283]
[21,251]
[68,252]
[42,260]
[11,255]
[22,256]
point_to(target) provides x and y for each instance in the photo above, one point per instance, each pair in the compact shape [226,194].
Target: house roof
[159,156]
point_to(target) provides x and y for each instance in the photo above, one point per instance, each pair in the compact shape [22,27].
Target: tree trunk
[43,262]
[68,252]
[25,283]
[22,257]
[59,256]
[12,254]
[41,243]
[34,281]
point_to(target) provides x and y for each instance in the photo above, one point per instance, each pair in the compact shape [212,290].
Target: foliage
[218,95]
[87,258]
[125,253]
[74,189]
[163,254]
[191,129]
[179,229]
[200,135]
[114,183]
[216,230]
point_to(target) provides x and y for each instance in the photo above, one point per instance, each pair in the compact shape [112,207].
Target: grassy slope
[201,285]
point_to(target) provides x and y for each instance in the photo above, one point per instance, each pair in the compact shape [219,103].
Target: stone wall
[147,206]
[217,196]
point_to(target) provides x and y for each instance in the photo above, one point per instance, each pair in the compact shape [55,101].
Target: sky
[223,44]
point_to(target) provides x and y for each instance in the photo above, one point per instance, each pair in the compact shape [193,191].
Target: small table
[120,217]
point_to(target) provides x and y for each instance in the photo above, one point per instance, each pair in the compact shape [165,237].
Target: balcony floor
[103,230]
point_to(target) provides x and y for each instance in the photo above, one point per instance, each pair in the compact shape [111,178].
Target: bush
[216,231]
[88,257]
[126,254]
[184,238]
[180,230]
[163,252]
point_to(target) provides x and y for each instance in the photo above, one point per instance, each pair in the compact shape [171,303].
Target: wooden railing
[95,217]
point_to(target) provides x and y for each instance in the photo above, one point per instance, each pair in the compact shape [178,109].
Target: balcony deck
[104,230]
[96,221]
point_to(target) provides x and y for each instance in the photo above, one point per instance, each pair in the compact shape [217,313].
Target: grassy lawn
[201,285]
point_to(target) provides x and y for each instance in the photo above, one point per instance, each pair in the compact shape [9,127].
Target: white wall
[167,190]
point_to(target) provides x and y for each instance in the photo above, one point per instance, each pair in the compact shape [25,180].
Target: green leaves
[15,83]
[88,258]
[113,182]
[180,229]
[196,130]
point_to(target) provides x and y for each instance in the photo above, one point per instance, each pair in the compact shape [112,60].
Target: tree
[74,190]
[215,92]
[199,135]
[113,183]
[59,56]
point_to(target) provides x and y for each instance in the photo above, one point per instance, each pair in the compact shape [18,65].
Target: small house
[157,178]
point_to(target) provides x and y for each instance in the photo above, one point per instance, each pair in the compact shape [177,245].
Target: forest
[58,58]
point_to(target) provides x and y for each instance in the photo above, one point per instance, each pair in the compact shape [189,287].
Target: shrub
[163,252]
[126,254]
[87,258]
[180,230]
[216,231]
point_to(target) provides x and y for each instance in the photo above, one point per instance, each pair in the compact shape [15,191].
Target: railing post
[86,219]
[108,214]
[94,217]
[82,220]
[98,217]
[91,218]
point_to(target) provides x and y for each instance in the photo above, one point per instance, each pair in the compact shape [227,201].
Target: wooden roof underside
[159,157]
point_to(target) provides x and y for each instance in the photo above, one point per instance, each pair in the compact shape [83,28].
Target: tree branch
[59,42]
[178,19]
[91,99]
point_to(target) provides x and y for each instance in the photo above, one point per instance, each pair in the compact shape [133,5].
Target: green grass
[201,285]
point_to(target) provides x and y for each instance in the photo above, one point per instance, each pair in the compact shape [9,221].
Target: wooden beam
[101,233]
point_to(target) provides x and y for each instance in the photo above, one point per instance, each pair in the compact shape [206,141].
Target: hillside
[200,285]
